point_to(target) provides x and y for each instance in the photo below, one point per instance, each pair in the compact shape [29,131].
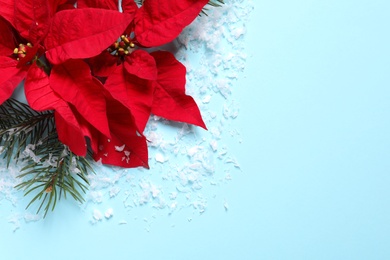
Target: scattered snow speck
[97,215]
[109,213]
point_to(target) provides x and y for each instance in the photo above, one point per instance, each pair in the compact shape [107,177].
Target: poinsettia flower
[132,73]
[22,26]
[11,74]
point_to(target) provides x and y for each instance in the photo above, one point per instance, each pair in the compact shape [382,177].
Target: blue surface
[314,110]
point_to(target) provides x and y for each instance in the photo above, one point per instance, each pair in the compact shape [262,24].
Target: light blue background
[315,183]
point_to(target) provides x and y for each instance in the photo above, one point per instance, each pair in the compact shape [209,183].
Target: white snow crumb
[228,177]
[212,114]
[160,158]
[96,196]
[173,195]
[161,204]
[74,169]
[154,190]
[226,205]
[153,138]
[215,132]
[109,213]
[193,150]
[127,153]
[29,152]
[119,148]
[28,217]
[234,162]
[173,206]
[15,221]
[206,99]
[238,32]
[214,145]
[97,215]
[114,191]
[200,205]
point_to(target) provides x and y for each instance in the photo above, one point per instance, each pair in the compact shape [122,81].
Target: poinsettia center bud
[21,51]
[122,47]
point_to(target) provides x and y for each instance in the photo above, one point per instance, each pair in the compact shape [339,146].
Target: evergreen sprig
[51,170]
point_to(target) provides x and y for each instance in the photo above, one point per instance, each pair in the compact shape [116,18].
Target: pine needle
[51,170]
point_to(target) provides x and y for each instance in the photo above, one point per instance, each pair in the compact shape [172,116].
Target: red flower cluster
[90,65]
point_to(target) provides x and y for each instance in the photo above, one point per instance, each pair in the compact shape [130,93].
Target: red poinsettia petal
[73,82]
[170,100]
[7,40]
[134,93]
[69,134]
[126,147]
[103,64]
[159,22]
[83,33]
[7,11]
[141,64]
[116,152]
[103,4]
[10,77]
[129,6]
[32,18]
[41,97]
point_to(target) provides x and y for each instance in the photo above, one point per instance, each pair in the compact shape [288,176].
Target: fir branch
[51,170]
[21,126]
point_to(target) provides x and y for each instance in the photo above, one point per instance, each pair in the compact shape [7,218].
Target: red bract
[83,33]
[32,18]
[126,147]
[170,100]
[41,97]
[7,10]
[134,93]
[159,22]
[73,82]
[11,75]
